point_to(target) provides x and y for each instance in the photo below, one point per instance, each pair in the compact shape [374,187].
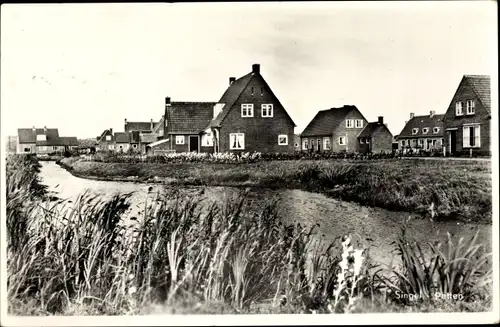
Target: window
[247,110]
[435,130]
[236,141]
[326,143]
[367,140]
[108,137]
[434,143]
[267,110]
[55,147]
[41,137]
[305,144]
[27,150]
[425,130]
[471,107]
[207,140]
[121,147]
[134,146]
[42,148]
[349,123]
[459,108]
[318,144]
[362,140]
[472,136]
[283,139]
[179,139]
[296,145]
[414,131]
[403,143]
[342,140]
[420,142]
[359,123]
[111,146]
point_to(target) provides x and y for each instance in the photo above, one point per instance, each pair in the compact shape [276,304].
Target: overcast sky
[83,68]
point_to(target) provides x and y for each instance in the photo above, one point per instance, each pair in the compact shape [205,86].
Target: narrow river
[378,227]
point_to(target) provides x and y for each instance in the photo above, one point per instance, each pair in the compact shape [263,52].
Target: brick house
[468,118]
[425,132]
[43,141]
[375,137]
[185,125]
[249,117]
[106,142]
[335,130]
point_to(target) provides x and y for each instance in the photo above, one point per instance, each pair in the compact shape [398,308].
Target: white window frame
[180,140]
[349,123]
[414,131]
[134,146]
[41,137]
[267,110]
[435,130]
[425,130]
[207,139]
[403,143]
[359,123]
[342,140]
[459,108]
[361,140]
[305,144]
[466,136]
[470,107]
[240,137]
[326,143]
[55,147]
[42,148]
[281,136]
[111,146]
[108,137]
[367,140]
[247,110]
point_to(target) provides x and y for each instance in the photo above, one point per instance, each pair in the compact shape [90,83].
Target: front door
[453,141]
[193,143]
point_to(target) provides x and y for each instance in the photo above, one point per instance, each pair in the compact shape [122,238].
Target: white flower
[132,290]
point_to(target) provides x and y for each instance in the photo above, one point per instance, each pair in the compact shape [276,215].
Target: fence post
[470,154]
[444,151]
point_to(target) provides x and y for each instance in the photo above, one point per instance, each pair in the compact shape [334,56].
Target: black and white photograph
[249,163]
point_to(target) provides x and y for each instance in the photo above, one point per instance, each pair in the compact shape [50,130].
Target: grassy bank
[441,189]
[188,256]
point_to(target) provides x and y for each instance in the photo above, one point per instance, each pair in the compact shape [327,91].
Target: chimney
[125,121]
[256,68]
[111,130]
[34,129]
[231,80]
[432,113]
[45,129]
[167,102]
[152,124]
[380,119]
[411,115]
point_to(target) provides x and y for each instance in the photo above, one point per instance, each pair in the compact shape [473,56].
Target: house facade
[424,132]
[334,130]
[249,117]
[467,121]
[375,138]
[106,142]
[43,141]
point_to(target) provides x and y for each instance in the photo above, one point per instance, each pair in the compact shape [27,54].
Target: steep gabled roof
[189,117]
[28,135]
[326,121]
[230,96]
[481,86]
[370,128]
[103,134]
[421,122]
[159,125]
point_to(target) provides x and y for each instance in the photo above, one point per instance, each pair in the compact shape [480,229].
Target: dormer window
[414,131]
[425,130]
[435,130]
[459,108]
[247,110]
[471,107]
[41,137]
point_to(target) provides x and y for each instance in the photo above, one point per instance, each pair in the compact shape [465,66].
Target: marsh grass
[185,254]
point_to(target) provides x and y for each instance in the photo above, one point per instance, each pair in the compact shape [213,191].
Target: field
[178,258]
[442,189]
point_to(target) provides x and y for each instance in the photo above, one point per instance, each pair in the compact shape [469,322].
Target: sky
[83,68]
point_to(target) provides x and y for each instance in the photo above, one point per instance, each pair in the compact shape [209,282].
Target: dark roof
[138,126]
[481,85]
[326,121]
[421,122]
[69,140]
[158,125]
[370,128]
[122,137]
[230,96]
[28,135]
[189,117]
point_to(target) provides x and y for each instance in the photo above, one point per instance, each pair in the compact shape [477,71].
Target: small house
[424,132]
[375,138]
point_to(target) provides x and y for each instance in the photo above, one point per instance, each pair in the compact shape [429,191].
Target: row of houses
[249,117]
[464,127]
[43,141]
